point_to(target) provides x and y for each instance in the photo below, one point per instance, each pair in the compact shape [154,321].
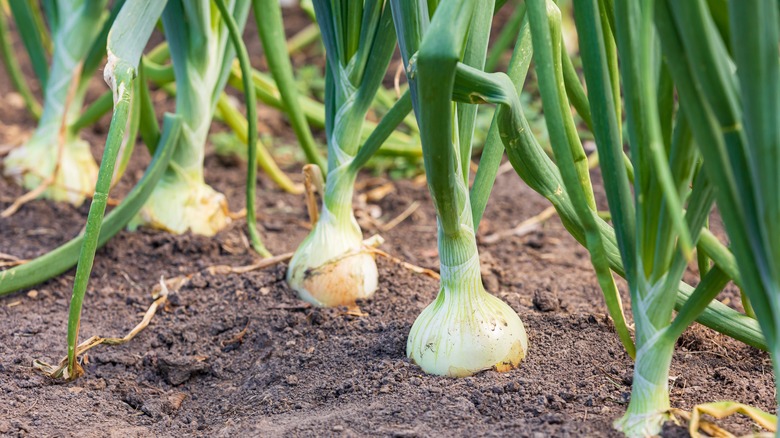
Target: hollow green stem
[574,89]
[545,20]
[649,405]
[148,126]
[96,210]
[607,128]
[251,109]
[493,151]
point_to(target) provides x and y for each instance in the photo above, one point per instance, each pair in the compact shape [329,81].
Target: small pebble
[512,387]
[546,300]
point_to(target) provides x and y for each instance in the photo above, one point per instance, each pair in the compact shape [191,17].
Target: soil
[240,355]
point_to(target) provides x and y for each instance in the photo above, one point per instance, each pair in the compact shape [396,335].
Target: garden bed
[302,370]
[240,355]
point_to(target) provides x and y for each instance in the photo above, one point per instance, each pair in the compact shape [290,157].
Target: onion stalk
[465,330]
[331,267]
[124,55]
[612,254]
[734,121]
[202,56]
[653,288]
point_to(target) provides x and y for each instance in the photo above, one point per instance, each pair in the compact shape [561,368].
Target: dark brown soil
[302,371]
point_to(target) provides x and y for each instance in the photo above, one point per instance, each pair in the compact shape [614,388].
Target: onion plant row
[680,97]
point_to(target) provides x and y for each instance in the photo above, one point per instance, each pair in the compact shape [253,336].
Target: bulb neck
[337,199]
[348,120]
[197,114]
[199,69]
[649,405]
[459,263]
[58,107]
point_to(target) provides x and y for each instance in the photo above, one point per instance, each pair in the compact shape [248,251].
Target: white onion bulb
[332,267]
[466,330]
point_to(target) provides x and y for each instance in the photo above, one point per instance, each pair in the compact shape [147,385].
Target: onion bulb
[466,330]
[180,203]
[37,159]
[332,267]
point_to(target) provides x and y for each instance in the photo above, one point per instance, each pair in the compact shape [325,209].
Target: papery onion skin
[331,267]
